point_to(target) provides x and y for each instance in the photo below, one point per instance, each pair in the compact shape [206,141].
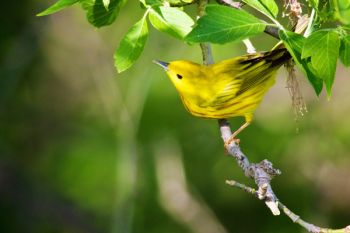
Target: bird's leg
[233,136]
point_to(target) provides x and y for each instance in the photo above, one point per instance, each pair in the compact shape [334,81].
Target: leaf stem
[276,23]
[309,26]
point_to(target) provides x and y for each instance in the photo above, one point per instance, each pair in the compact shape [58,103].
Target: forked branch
[295,218]
[262,172]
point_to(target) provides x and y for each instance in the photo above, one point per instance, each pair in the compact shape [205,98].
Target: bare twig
[262,172]
[250,47]
[295,218]
[272,31]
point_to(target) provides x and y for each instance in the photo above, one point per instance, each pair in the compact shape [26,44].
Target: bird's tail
[275,58]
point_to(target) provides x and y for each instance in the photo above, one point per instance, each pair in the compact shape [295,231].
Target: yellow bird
[230,88]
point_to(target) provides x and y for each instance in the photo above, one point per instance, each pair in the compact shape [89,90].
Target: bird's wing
[257,69]
[236,76]
[257,74]
[225,82]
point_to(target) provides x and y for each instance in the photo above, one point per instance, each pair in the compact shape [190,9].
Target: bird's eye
[179,76]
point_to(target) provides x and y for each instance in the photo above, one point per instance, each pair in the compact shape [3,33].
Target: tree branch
[295,218]
[272,31]
[262,172]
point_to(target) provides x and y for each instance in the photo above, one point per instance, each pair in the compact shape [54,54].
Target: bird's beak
[164,65]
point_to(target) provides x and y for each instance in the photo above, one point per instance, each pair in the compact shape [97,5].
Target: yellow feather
[230,88]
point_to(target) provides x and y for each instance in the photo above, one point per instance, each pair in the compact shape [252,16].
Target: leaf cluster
[315,52]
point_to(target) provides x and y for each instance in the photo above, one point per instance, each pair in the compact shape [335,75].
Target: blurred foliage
[77,140]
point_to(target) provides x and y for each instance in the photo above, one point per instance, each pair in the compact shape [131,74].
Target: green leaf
[294,43]
[98,15]
[323,48]
[171,20]
[153,2]
[345,51]
[131,46]
[267,7]
[341,10]
[222,24]
[59,5]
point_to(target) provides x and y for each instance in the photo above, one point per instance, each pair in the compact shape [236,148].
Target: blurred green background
[84,149]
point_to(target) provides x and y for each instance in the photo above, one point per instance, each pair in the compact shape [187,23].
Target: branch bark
[262,172]
[294,217]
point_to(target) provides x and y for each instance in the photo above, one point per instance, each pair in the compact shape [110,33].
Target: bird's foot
[230,140]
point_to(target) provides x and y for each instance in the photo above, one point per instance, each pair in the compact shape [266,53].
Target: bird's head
[185,75]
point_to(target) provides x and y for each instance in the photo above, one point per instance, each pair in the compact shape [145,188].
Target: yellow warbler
[230,88]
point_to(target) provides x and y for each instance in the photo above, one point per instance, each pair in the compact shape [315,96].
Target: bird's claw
[229,141]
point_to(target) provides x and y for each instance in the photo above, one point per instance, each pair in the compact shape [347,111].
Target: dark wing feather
[261,68]
[246,72]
